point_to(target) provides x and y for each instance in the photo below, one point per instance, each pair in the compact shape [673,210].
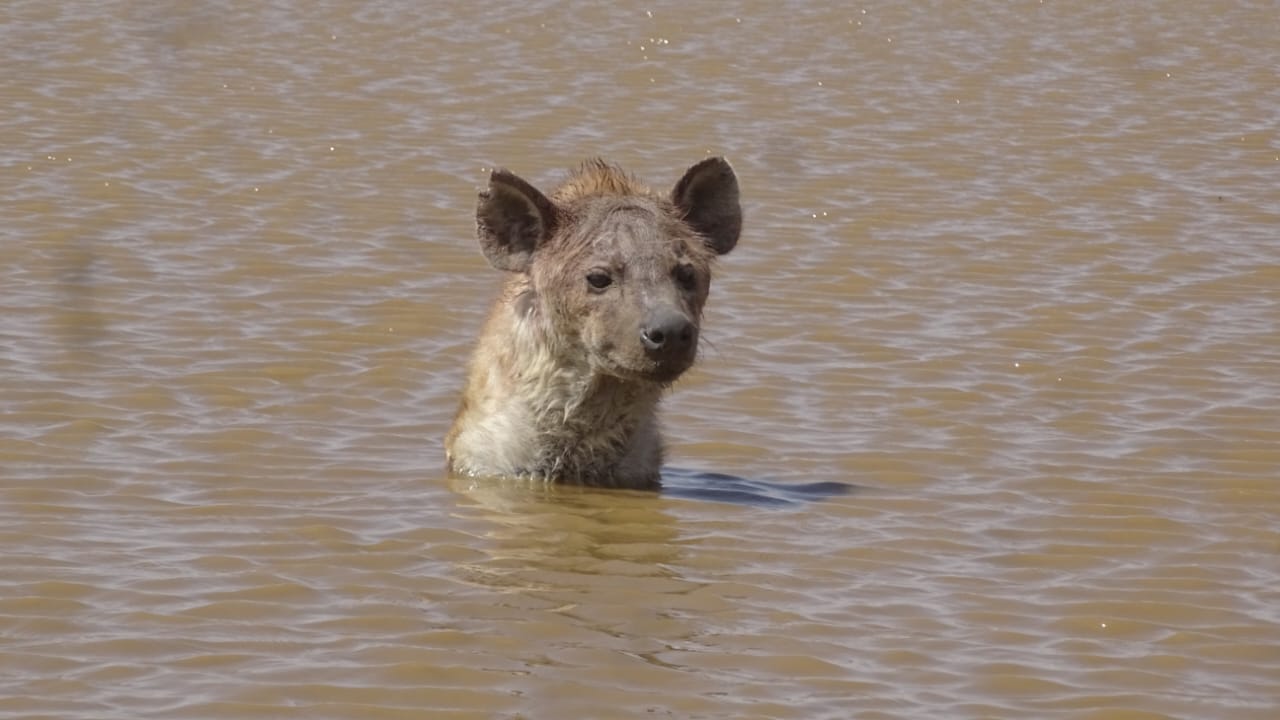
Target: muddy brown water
[1010,269]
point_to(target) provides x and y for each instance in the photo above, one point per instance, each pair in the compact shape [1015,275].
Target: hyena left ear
[512,220]
[708,197]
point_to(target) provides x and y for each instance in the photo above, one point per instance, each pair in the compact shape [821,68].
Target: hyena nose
[669,331]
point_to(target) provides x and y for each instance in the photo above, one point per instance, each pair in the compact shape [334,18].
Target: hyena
[598,314]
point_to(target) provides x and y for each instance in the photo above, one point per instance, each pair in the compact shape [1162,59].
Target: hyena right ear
[708,197]
[512,220]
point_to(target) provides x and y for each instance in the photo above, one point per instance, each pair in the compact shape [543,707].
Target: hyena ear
[708,197]
[512,220]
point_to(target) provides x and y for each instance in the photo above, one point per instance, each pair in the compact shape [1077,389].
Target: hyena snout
[668,335]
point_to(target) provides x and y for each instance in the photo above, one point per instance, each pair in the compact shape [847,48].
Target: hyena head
[617,275]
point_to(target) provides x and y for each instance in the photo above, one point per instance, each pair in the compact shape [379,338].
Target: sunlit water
[985,424]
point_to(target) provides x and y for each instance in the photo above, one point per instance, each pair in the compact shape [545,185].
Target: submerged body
[599,314]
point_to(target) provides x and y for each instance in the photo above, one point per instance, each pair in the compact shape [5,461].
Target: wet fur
[539,406]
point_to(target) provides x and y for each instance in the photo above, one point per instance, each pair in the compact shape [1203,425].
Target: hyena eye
[686,276]
[599,279]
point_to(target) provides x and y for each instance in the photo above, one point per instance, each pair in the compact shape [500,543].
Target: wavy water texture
[984,424]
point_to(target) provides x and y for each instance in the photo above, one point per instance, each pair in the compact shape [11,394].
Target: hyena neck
[563,390]
[588,425]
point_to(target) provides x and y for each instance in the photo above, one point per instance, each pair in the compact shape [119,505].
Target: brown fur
[598,177]
[599,315]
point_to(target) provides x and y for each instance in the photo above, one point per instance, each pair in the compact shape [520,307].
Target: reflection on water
[989,385]
[720,487]
[533,526]
[519,496]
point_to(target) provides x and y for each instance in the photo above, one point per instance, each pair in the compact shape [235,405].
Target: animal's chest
[584,449]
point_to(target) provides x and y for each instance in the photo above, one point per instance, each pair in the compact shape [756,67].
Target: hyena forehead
[639,228]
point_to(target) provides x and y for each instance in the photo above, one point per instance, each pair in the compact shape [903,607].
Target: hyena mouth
[662,372]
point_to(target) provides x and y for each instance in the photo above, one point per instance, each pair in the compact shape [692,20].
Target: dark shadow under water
[720,487]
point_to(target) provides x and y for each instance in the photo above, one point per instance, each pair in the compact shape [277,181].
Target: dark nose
[667,331]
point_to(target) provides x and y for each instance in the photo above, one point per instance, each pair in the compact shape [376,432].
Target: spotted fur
[565,381]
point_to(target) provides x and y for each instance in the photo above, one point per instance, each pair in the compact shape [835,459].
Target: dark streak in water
[721,487]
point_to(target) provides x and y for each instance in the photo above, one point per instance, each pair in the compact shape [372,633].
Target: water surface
[1011,271]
